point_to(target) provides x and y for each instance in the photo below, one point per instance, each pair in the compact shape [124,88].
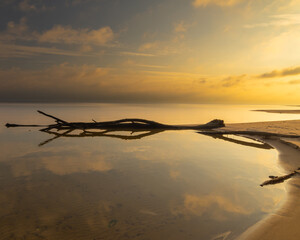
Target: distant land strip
[280,111]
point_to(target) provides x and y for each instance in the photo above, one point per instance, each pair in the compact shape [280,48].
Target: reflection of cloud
[60,163]
[216,206]
[134,149]
[148,212]
[200,204]
[204,3]
[174,174]
[222,236]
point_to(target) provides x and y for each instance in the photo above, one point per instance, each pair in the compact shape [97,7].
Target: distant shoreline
[279,111]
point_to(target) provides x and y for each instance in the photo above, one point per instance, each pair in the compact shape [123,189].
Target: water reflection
[255,144]
[92,185]
[178,185]
[135,134]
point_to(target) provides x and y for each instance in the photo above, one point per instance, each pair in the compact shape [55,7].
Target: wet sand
[285,222]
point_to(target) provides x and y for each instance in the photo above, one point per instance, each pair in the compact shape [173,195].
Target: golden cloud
[281,73]
[88,83]
[204,3]
[25,6]
[83,39]
[68,35]
[180,27]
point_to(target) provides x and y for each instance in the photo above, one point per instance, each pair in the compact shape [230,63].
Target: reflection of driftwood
[106,133]
[280,179]
[245,143]
[250,133]
[123,124]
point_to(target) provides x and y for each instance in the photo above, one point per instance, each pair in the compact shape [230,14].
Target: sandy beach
[284,223]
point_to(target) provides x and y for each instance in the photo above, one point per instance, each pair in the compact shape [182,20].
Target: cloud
[35,6]
[15,31]
[281,73]
[25,6]
[6,2]
[180,27]
[294,82]
[88,83]
[149,46]
[77,2]
[204,3]
[131,63]
[68,35]
[21,41]
[160,48]
[280,47]
[63,82]
[281,20]
[138,54]
[233,80]
[21,51]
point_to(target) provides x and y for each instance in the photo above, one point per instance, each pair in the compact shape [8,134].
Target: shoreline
[284,222]
[284,111]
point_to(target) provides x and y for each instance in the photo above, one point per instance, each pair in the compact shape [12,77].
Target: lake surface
[169,185]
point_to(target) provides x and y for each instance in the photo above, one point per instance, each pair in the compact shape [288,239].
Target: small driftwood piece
[122,124]
[279,179]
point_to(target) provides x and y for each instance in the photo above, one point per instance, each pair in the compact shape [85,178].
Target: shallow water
[170,185]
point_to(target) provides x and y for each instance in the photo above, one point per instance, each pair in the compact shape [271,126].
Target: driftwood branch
[122,124]
[279,179]
[55,118]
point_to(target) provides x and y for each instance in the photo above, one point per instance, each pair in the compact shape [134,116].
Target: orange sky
[196,51]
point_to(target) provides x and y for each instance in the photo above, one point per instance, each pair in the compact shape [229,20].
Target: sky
[150,51]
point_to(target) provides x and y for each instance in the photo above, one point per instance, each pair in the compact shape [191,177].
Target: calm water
[170,185]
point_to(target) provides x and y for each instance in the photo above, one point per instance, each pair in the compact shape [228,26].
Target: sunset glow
[173,51]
